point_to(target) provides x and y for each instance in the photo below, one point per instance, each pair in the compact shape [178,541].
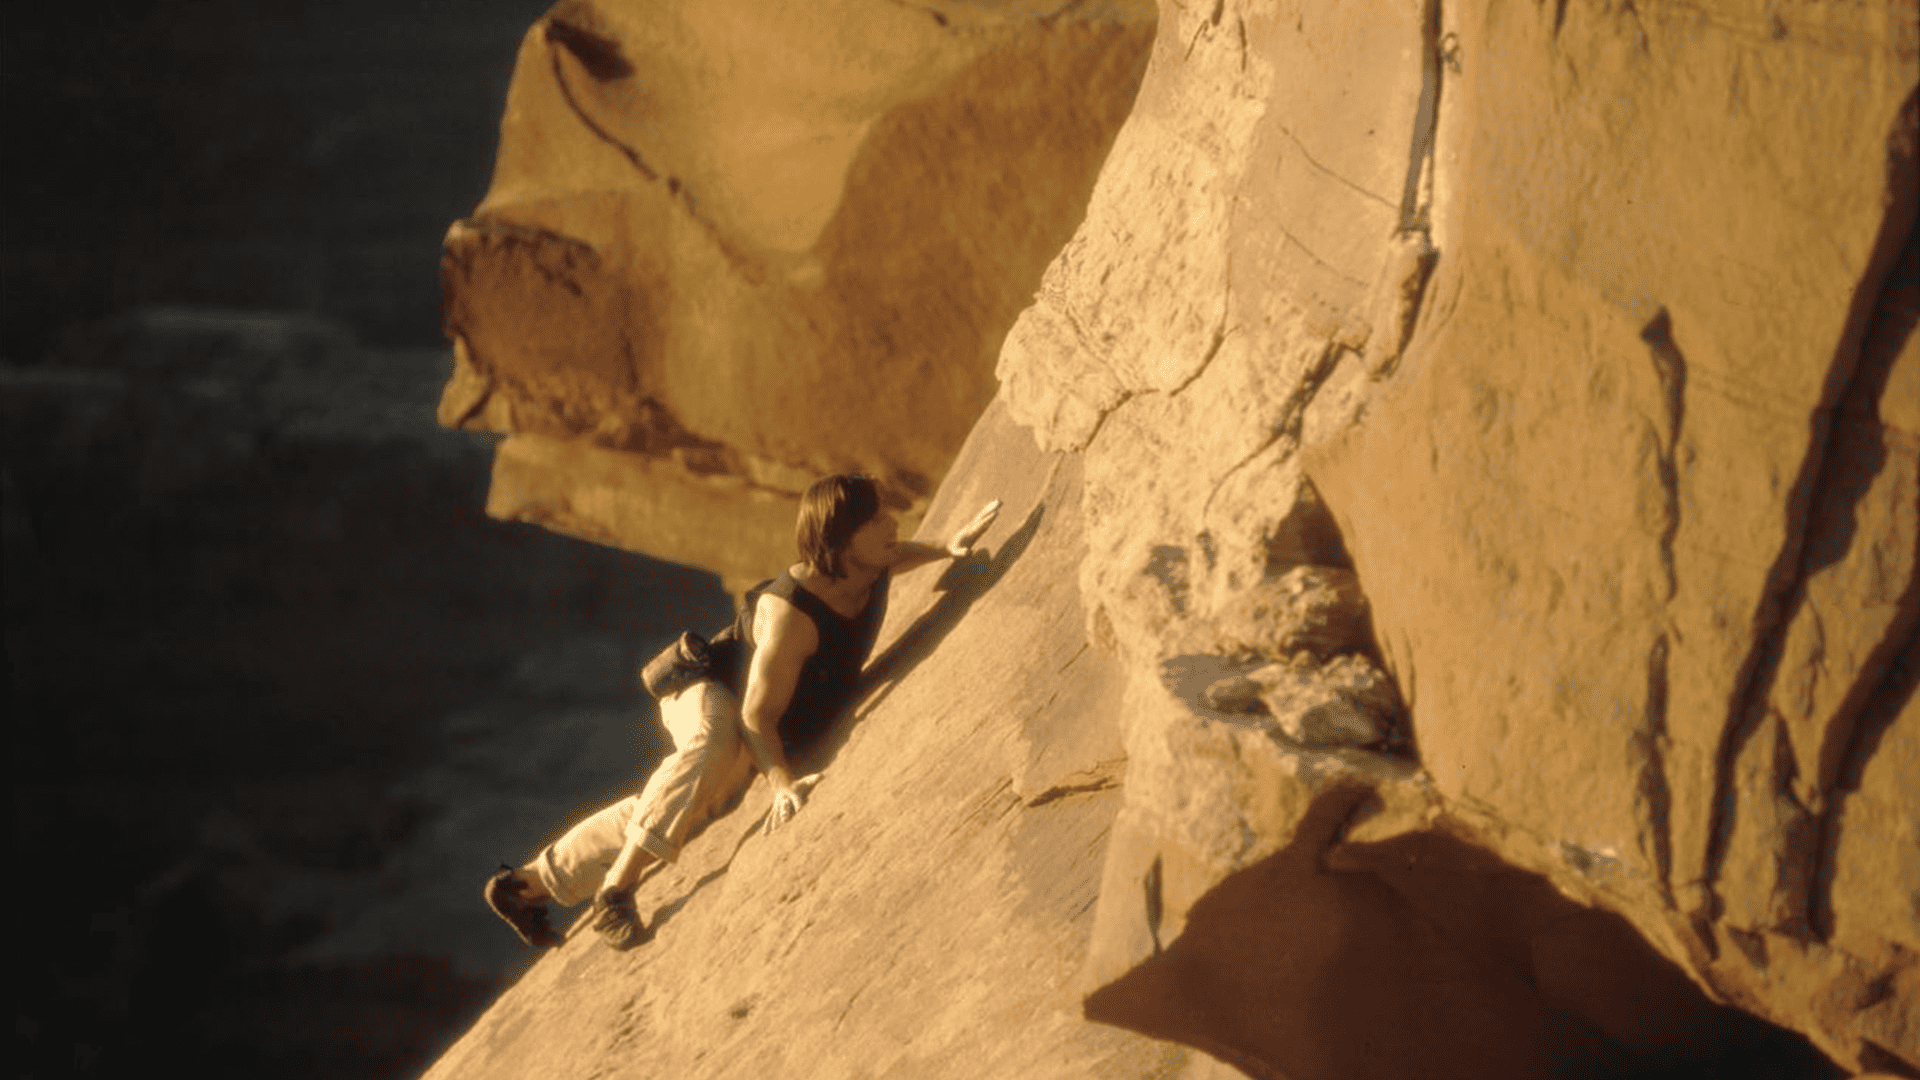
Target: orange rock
[1556,362]
[752,243]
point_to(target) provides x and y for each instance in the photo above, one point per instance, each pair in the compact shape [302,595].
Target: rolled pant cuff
[551,878]
[656,845]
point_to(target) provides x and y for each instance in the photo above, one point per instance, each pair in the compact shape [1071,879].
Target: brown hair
[831,511]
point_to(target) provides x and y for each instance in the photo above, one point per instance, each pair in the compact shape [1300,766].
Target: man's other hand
[788,801]
[963,541]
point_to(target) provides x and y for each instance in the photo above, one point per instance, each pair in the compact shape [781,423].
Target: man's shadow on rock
[666,911]
[964,582]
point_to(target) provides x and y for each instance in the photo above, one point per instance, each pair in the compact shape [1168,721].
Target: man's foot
[527,917]
[617,920]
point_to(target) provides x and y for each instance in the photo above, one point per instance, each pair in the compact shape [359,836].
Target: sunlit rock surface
[1556,363]
[731,247]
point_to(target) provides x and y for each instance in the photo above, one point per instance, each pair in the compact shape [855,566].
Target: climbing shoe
[617,920]
[528,919]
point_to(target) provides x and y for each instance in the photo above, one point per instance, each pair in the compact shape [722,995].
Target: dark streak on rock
[1420,155]
[1885,679]
[1651,741]
[562,39]
[939,17]
[1150,887]
[1293,413]
[1062,791]
[1889,700]
[1220,332]
[1170,565]
[1671,368]
[567,39]
[600,55]
[1786,578]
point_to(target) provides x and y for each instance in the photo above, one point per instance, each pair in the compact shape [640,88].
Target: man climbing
[806,636]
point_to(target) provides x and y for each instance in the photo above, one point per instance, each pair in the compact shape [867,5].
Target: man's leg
[705,722]
[706,717]
[622,839]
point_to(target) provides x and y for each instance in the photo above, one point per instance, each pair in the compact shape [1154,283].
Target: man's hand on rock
[788,800]
[963,541]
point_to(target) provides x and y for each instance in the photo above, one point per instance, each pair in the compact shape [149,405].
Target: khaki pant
[704,777]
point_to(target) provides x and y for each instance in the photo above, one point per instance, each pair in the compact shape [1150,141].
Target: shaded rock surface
[1557,363]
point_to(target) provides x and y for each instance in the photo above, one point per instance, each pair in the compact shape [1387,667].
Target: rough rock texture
[927,914]
[730,247]
[1631,493]
[1557,362]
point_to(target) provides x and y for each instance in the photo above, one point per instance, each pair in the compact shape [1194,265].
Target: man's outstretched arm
[914,554]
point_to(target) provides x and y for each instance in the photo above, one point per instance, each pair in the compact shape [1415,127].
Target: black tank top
[830,675]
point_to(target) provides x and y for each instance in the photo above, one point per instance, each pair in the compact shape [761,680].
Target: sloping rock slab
[928,912]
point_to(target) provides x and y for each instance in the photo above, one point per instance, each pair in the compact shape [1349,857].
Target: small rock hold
[1314,609]
[1237,694]
[1345,702]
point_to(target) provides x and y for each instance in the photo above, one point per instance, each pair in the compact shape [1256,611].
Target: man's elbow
[757,722]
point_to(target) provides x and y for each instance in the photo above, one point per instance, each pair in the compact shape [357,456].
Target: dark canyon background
[279,695]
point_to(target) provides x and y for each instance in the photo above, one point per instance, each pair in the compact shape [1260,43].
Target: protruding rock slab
[1634,457]
[1600,410]
[756,242]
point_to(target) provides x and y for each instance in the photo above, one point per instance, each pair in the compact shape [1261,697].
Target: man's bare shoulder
[780,628]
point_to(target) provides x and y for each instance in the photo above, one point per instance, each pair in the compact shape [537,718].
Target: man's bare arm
[913,554]
[783,640]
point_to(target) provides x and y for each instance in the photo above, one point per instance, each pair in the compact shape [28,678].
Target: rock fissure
[1104,778]
[1322,262]
[1328,170]
[1671,369]
[1654,786]
[1865,710]
[594,52]
[1220,332]
[1100,422]
[1789,574]
[565,38]
[1286,425]
[1413,210]
[1876,716]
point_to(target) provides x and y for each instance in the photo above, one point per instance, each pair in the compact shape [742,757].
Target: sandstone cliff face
[1484,445]
[1627,476]
[731,247]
